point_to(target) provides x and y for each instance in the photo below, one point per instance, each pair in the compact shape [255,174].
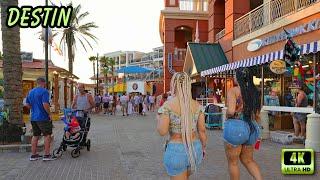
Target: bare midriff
[177,137]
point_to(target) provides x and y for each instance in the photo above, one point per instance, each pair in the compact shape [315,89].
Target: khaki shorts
[125,105]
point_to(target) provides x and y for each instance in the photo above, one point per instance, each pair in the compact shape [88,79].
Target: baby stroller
[79,142]
[213,116]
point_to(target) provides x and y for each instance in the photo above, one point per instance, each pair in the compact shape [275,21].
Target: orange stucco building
[181,22]
[233,24]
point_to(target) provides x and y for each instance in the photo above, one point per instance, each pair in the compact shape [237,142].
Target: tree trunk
[12,66]
[70,57]
[94,69]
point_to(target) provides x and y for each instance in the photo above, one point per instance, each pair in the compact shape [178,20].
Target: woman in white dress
[130,105]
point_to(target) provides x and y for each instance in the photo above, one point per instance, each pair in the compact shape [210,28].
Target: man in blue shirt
[38,101]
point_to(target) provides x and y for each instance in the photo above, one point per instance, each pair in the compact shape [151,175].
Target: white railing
[194,5]
[220,34]
[268,13]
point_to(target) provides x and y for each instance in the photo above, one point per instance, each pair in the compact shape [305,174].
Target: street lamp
[46,54]
[97,58]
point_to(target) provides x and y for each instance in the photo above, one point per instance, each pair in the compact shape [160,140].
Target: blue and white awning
[305,49]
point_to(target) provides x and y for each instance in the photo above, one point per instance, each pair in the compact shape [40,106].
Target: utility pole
[46,54]
[97,74]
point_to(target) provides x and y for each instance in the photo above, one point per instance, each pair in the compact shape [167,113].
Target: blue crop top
[175,122]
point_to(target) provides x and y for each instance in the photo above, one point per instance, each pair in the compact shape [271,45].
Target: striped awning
[305,49]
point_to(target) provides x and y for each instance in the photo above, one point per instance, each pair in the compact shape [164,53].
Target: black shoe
[35,157]
[49,158]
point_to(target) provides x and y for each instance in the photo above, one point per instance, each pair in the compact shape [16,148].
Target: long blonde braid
[181,88]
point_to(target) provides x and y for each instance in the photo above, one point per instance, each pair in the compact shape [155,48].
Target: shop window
[286,85]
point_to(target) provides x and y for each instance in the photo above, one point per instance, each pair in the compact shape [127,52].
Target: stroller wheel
[75,153]
[57,152]
[88,144]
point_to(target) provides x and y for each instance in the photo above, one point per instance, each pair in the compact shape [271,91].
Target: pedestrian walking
[152,102]
[124,104]
[241,130]
[183,119]
[41,122]
[130,105]
[163,99]
[106,101]
[136,103]
[113,104]
[140,106]
[97,100]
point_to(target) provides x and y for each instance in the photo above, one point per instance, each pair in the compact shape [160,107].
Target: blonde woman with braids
[183,119]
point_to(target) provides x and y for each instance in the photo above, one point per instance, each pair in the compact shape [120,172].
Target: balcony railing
[180,54]
[220,34]
[194,5]
[268,13]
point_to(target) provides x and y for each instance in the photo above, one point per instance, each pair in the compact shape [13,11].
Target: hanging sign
[278,67]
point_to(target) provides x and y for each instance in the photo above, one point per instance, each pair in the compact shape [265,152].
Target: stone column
[264,123]
[313,132]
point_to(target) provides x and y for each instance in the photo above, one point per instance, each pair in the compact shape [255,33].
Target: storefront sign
[304,28]
[278,67]
[254,45]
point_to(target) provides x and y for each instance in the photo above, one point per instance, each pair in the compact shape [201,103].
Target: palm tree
[108,64]
[77,32]
[93,60]
[12,66]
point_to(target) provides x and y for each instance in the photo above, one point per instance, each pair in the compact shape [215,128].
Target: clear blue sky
[123,25]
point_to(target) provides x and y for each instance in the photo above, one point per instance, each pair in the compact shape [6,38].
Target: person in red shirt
[164,99]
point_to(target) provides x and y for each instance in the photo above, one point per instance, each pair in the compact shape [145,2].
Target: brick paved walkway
[130,148]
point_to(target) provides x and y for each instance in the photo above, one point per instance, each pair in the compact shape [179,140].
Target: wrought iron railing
[268,13]
[194,5]
[220,34]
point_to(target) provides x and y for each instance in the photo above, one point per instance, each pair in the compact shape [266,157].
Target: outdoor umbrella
[133,70]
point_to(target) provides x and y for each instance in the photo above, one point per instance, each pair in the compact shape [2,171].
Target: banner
[136,86]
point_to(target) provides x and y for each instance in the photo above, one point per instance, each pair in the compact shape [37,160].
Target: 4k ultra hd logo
[297,161]
[32,17]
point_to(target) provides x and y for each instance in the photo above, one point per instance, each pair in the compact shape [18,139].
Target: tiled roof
[39,64]
[36,64]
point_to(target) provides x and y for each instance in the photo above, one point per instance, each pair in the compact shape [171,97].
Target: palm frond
[92,58]
[84,47]
[83,15]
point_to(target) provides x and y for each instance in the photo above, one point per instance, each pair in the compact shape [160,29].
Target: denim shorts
[176,159]
[237,132]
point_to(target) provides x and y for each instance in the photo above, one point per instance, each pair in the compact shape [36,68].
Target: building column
[56,92]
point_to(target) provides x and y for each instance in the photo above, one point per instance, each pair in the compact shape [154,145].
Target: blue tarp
[133,69]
